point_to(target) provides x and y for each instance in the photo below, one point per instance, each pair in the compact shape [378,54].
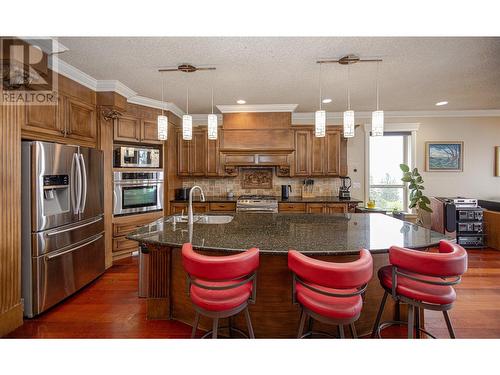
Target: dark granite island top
[314,234]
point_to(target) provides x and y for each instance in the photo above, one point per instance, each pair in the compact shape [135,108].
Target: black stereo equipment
[461,217]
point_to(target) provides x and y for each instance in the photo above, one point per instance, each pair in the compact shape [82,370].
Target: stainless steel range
[257,203]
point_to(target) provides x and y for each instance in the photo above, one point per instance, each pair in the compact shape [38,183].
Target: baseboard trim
[11,319]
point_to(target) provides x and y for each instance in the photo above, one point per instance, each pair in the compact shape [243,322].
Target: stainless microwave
[136,157]
[136,192]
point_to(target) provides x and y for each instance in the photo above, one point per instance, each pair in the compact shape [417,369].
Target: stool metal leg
[448,324]
[249,324]
[341,331]
[417,322]
[353,331]
[230,326]
[215,326]
[310,324]
[303,317]
[411,316]
[195,325]
[379,314]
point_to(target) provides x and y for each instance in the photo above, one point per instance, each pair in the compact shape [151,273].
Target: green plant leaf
[421,187]
[424,207]
[419,180]
[413,205]
[404,167]
[418,193]
[406,179]
[425,199]
[415,172]
[412,185]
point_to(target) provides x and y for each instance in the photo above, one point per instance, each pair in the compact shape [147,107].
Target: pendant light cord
[348,89]
[187,100]
[377,84]
[320,94]
[162,88]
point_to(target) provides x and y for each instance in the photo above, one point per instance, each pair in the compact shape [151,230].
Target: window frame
[409,149]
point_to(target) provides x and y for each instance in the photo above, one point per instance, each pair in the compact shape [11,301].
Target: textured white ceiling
[415,74]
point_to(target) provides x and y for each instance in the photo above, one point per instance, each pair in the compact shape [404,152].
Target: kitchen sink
[202,219]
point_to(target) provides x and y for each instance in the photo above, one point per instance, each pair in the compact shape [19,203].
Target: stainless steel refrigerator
[62,222]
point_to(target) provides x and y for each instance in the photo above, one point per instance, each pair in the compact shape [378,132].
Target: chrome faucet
[190,208]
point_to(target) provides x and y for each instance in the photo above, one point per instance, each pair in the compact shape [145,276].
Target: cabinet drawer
[122,243]
[123,229]
[292,207]
[198,207]
[336,208]
[222,206]
[315,208]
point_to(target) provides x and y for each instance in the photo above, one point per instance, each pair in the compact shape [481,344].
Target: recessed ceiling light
[327,100]
[241,101]
[441,103]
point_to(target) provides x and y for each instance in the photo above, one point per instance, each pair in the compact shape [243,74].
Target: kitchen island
[336,237]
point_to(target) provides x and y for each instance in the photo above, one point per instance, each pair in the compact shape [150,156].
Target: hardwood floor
[110,308]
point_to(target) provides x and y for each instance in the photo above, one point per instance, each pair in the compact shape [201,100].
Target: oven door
[134,198]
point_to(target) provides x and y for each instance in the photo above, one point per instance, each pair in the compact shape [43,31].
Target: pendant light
[349,114]
[162,120]
[320,116]
[377,116]
[212,122]
[187,121]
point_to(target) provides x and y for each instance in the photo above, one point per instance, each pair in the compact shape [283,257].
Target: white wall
[479,134]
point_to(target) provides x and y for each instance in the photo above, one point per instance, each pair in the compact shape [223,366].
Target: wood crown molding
[238,108]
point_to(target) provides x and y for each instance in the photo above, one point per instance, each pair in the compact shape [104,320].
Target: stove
[257,203]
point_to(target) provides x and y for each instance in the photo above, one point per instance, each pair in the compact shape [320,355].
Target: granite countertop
[336,234]
[326,199]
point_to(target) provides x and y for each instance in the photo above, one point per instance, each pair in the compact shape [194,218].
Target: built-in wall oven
[138,191]
[136,157]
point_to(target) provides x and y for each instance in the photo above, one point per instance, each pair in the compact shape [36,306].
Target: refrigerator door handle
[73,228]
[84,180]
[76,184]
[49,257]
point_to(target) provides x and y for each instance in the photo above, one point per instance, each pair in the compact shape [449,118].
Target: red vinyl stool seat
[329,292]
[221,286]
[423,280]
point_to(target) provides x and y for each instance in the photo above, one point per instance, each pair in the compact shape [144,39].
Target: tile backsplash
[219,187]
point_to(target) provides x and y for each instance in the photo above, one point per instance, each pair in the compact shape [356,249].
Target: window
[385,155]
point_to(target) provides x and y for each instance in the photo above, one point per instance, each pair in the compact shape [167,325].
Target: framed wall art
[442,156]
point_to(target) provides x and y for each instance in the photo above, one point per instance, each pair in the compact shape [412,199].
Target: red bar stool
[329,292]
[422,280]
[221,286]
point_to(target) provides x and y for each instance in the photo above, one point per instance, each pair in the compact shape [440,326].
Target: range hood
[257,139]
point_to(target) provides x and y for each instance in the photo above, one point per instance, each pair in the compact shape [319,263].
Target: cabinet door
[200,208]
[212,157]
[183,148]
[317,156]
[336,208]
[149,132]
[127,129]
[81,120]
[302,152]
[177,208]
[45,119]
[198,154]
[315,208]
[332,153]
[292,207]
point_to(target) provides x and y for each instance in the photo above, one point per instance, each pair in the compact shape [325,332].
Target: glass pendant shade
[377,123]
[162,128]
[348,124]
[187,127]
[212,126]
[320,124]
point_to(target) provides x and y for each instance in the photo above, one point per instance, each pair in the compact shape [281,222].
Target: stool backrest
[332,275]
[217,268]
[451,261]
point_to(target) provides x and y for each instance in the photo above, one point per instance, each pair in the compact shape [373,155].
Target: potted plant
[417,199]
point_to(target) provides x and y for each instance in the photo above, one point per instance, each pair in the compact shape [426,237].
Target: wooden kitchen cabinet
[70,121]
[336,208]
[199,156]
[179,207]
[315,208]
[320,157]
[149,132]
[222,206]
[292,207]
[130,128]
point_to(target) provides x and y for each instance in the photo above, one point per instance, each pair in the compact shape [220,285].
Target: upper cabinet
[134,129]
[320,157]
[72,120]
[199,156]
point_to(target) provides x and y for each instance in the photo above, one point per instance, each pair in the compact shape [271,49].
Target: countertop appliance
[285,191]
[345,188]
[182,194]
[461,217]
[62,222]
[136,157]
[137,192]
[257,203]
